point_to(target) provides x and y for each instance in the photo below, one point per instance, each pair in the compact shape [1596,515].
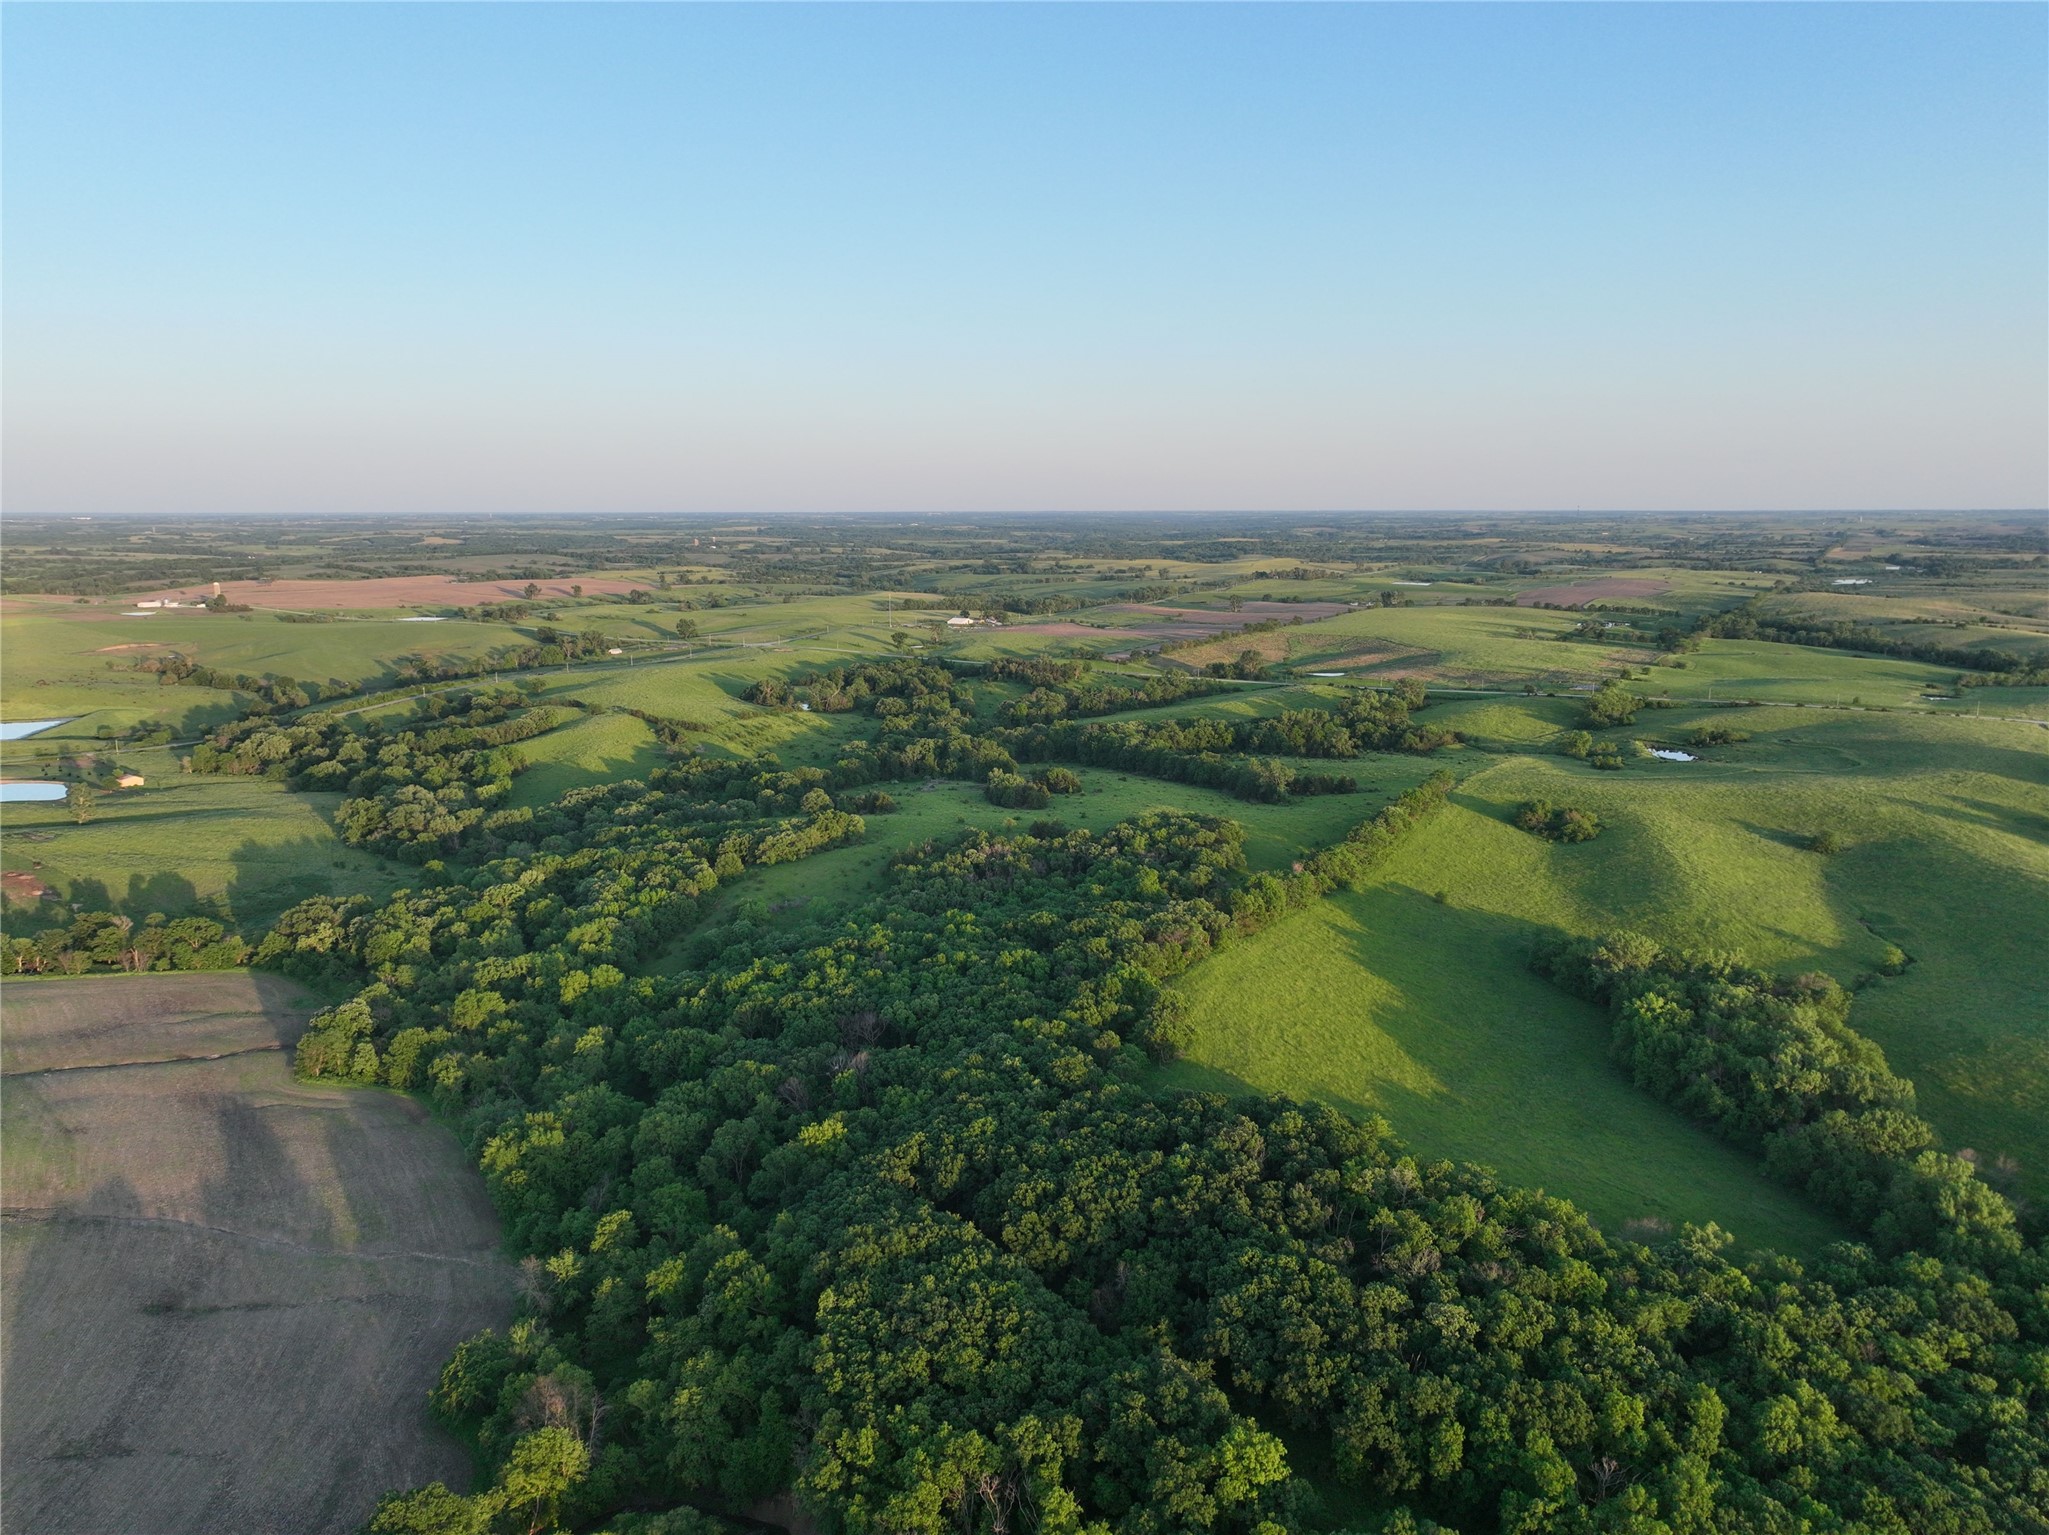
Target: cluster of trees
[1557,823]
[414,786]
[1774,1066]
[1716,735]
[271,692]
[1745,623]
[2025,676]
[1199,756]
[1082,696]
[1016,792]
[1612,704]
[105,940]
[1238,756]
[1249,667]
[840,690]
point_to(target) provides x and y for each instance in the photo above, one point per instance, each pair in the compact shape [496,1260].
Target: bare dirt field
[1605,589]
[227,1292]
[1185,619]
[1060,628]
[394,592]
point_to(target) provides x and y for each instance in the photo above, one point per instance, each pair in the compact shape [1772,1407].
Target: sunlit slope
[1947,831]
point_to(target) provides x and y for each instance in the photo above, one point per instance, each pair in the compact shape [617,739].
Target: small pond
[29,789]
[1665,755]
[21,729]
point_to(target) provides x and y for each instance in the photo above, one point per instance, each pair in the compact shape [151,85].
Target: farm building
[129,781]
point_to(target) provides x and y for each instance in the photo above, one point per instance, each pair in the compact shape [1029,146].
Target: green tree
[542,1467]
[81,800]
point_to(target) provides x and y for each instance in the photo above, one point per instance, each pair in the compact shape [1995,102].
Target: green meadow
[1386,1002]
[1946,831]
[1799,674]
[237,848]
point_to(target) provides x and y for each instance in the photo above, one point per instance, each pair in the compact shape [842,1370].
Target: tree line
[1774,1066]
[105,940]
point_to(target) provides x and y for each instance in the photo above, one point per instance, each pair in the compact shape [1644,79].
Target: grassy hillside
[1388,1002]
[1947,830]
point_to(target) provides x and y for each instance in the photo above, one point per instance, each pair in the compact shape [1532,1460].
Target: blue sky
[383,258]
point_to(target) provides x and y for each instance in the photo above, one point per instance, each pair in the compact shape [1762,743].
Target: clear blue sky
[478,257]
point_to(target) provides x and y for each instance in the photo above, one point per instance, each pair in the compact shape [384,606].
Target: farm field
[185,1221]
[236,847]
[1476,647]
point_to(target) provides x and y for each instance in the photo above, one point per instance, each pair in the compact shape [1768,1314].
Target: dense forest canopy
[880,1210]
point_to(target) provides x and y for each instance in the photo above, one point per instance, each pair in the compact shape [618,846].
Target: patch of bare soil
[20,885]
[1061,629]
[226,1292]
[1605,589]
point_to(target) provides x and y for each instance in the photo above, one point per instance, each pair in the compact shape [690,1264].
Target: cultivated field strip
[226,1291]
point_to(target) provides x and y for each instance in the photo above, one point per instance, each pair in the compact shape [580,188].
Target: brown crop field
[227,1291]
[394,592]
[1605,589]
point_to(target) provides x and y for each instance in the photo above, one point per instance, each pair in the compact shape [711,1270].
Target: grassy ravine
[1388,1002]
[1422,1009]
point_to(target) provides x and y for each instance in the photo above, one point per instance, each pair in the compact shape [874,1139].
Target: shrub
[1564,823]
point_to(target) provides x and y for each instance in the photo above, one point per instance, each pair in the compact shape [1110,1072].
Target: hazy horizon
[455,261]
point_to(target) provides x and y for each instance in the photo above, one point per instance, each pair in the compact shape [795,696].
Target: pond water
[24,728]
[25,789]
[423,618]
[1671,756]
[1326,674]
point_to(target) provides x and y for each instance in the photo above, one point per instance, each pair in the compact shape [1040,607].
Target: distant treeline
[1744,623]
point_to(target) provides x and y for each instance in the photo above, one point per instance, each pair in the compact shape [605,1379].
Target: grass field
[1947,826]
[185,1224]
[63,659]
[236,847]
[1798,674]
[1460,647]
[1276,835]
[1387,1002]
[597,748]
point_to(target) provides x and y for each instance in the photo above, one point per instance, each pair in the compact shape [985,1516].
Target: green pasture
[594,748]
[1477,647]
[1806,674]
[1387,1002]
[2013,703]
[65,659]
[1276,835]
[237,848]
[1947,830]
[1506,723]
